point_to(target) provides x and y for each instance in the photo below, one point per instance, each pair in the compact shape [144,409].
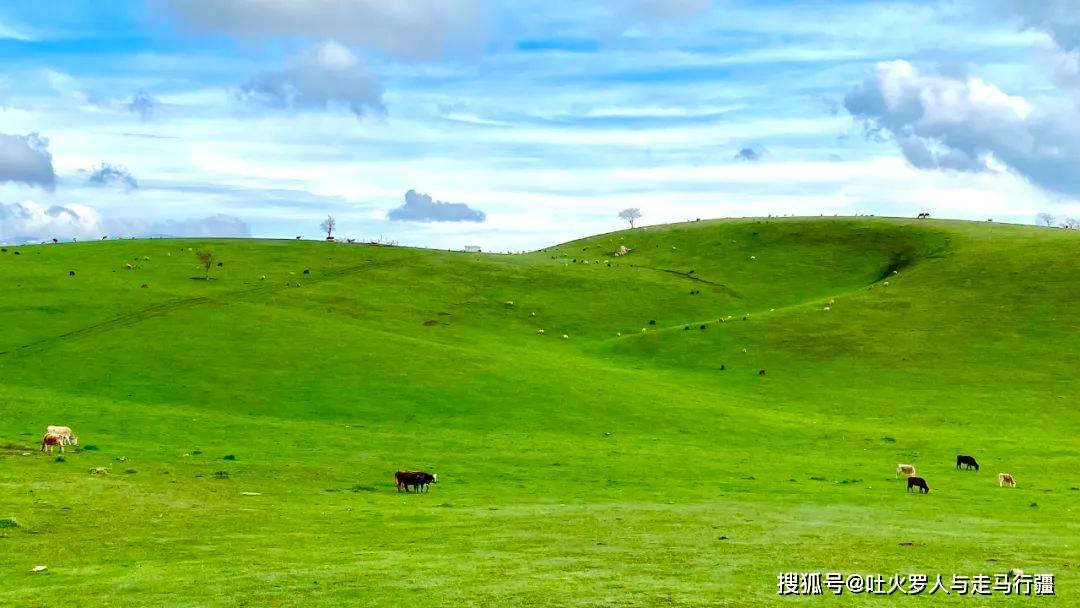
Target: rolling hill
[252,423]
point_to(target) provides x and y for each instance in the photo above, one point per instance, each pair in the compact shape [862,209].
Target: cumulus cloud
[415,29]
[421,208]
[966,124]
[1059,18]
[143,104]
[326,75]
[26,159]
[30,221]
[107,174]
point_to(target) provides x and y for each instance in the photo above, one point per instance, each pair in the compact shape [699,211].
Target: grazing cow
[967,461]
[917,482]
[1004,479]
[50,440]
[761,372]
[417,479]
[65,432]
[905,469]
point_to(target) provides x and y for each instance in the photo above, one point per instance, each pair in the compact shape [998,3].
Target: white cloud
[26,159]
[326,75]
[33,221]
[966,124]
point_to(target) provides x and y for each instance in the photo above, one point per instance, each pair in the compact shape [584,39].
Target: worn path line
[166,308]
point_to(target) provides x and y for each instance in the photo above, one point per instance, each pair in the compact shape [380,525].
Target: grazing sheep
[761,372]
[831,302]
[905,469]
[618,334]
[539,332]
[1004,479]
[509,302]
[753,257]
[1016,573]
[99,471]
[128,266]
[827,309]
[642,330]
[262,278]
[565,337]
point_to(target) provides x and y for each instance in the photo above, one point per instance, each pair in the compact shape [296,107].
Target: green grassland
[612,467]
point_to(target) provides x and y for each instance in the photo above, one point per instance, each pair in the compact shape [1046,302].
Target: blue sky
[544,120]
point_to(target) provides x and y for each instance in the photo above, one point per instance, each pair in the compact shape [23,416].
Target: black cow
[967,461]
[918,482]
[416,479]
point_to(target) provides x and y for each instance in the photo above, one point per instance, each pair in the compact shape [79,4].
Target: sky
[513,125]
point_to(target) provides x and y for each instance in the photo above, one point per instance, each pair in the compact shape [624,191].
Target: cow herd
[419,481]
[962,461]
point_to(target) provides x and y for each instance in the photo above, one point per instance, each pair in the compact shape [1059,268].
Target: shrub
[90,448]
[229,457]
[221,474]
[8,522]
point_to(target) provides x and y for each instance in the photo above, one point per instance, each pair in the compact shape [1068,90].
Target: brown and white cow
[50,440]
[1004,479]
[65,432]
[906,470]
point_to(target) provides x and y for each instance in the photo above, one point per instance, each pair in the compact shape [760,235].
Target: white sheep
[509,302]
[827,309]
[565,337]
[540,332]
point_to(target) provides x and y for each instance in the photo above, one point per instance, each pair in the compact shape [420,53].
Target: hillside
[614,466]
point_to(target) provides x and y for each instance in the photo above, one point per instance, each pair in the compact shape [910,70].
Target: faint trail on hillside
[165,308]
[686,275]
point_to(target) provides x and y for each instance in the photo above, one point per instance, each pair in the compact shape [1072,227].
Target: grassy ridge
[600,469]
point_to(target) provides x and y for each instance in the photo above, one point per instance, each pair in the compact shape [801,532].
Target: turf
[612,467]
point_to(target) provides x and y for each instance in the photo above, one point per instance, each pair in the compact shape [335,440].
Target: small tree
[328,225]
[206,258]
[1045,219]
[630,215]
[1070,223]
